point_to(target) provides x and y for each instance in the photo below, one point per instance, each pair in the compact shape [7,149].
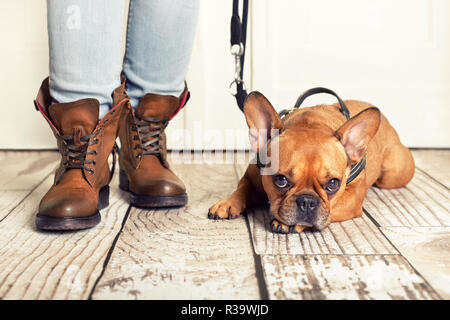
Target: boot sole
[75,223]
[150,201]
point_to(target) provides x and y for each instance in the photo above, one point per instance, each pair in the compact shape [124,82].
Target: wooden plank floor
[399,248]
[179,253]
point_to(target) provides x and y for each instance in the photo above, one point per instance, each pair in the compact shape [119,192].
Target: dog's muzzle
[307,206]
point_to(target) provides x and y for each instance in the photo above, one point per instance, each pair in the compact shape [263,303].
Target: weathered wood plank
[10,199]
[21,172]
[24,170]
[54,265]
[436,163]
[423,202]
[356,236]
[179,253]
[339,277]
[428,250]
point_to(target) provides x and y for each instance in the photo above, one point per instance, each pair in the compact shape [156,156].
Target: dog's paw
[228,208]
[279,227]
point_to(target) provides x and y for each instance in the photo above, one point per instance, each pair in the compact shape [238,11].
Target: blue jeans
[85,41]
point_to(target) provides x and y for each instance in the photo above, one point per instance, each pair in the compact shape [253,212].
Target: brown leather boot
[80,188]
[144,170]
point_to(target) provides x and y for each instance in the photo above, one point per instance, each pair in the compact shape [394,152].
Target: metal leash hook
[237,50]
[238,37]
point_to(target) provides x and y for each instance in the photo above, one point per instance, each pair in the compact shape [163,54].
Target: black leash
[238,31]
[310,92]
[238,40]
[343,108]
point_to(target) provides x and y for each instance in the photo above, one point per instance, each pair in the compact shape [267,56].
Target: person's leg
[85,50]
[160,37]
[85,42]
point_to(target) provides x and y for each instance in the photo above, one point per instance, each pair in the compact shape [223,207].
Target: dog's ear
[261,118]
[357,132]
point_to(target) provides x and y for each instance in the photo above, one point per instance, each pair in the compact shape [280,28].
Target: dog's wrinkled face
[309,178]
[313,162]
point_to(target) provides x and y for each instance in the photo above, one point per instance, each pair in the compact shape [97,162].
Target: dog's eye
[280,181]
[332,186]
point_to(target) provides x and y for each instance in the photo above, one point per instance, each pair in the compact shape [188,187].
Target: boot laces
[150,132]
[76,154]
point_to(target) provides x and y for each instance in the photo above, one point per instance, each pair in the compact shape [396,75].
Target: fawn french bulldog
[316,147]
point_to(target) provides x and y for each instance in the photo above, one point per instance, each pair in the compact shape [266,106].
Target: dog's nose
[307,207]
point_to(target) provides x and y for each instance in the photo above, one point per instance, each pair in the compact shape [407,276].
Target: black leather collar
[356,169]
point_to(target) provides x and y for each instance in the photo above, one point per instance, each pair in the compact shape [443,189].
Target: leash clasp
[237,50]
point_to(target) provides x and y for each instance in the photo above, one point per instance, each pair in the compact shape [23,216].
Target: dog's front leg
[246,194]
[231,207]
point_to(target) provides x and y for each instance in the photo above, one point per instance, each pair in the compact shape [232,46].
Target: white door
[24,64]
[212,120]
[394,54]
[209,121]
